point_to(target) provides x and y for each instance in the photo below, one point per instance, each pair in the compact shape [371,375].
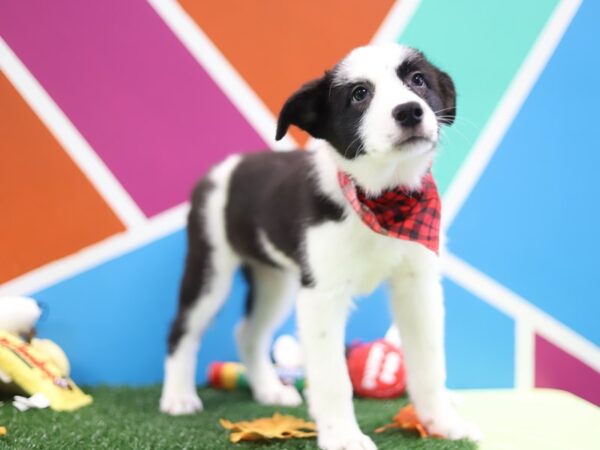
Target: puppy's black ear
[306,108]
[447,95]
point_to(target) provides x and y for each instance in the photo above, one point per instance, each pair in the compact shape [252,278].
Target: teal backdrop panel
[482,45]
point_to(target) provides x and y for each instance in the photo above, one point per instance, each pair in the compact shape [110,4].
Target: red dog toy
[377,370]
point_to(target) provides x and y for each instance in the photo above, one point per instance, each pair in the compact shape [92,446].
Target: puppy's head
[380,99]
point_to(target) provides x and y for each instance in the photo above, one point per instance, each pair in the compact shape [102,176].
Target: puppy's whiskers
[360,148]
[443,109]
[468,140]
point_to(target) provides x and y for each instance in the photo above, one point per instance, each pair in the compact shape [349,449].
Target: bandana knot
[412,215]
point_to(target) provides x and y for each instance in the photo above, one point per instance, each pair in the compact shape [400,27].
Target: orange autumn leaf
[407,419]
[276,427]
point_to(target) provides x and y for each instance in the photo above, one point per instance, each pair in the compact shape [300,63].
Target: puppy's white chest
[351,255]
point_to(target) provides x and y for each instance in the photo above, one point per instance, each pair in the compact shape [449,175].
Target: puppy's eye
[359,93]
[418,79]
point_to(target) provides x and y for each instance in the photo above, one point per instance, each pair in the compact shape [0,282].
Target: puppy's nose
[408,114]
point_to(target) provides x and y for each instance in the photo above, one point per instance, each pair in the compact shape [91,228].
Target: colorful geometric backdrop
[109,111]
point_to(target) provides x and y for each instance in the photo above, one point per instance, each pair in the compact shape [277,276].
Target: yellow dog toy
[36,367]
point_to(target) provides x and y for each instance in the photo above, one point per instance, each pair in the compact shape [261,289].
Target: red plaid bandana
[400,213]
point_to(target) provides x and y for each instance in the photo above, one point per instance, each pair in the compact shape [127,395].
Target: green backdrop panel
[482,46]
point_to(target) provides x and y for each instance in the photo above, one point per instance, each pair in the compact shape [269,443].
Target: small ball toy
[377,369]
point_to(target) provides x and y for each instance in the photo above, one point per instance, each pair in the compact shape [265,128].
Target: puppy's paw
[345,441]
[278,394]
[449,424]
[178,404]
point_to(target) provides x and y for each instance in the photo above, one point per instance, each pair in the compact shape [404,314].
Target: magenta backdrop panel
[557,369]
[139,98]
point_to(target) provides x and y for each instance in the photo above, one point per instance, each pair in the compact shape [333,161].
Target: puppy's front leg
[417,304]
[321,322]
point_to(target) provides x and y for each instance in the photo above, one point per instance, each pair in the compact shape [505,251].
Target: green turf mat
[128,419]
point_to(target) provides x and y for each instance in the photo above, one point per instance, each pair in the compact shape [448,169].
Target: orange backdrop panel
[48,208]
[277,45]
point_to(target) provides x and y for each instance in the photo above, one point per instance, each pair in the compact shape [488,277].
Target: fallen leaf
[407,419]
[2,431]
[276,427]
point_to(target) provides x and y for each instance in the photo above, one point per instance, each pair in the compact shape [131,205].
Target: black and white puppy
[283,218]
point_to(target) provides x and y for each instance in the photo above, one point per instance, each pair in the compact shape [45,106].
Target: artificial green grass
[128,419]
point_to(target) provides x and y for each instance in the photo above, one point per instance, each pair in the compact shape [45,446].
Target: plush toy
[18,315]
[54,352]
[38,367]
[287,353]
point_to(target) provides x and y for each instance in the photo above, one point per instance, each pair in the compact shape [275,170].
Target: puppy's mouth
[412,141]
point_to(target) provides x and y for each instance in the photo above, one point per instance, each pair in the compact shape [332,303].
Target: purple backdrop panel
[144,104]
[557,369]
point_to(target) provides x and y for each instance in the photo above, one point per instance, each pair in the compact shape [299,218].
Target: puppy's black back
[276,193]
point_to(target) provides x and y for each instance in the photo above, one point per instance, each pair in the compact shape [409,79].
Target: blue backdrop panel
[371,318]
[532,221]
[113,321]
[480,342]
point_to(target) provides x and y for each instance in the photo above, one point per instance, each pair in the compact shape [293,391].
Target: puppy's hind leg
[199,303]
[270,298]
[209,267]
